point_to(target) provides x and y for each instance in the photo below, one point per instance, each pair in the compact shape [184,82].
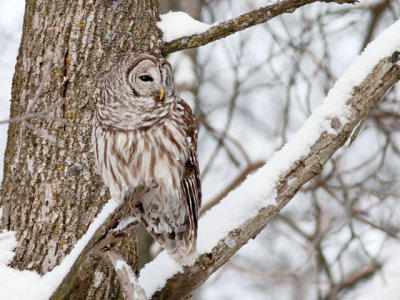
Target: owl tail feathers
[182,251]
[180,247]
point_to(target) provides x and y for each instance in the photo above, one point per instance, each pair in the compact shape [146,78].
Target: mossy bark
[51,191]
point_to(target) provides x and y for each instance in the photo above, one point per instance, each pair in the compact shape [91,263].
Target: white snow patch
[229,242]
[15,285]
[137,291]
[8,242]
[120,265]
[258,190]
[177,24]
[154,275]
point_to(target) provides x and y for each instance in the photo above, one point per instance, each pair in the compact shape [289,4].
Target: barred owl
[144,134]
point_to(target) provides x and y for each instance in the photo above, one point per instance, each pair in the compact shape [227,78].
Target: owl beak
[161,94]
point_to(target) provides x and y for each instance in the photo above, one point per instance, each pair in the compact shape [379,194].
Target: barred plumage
[144,134]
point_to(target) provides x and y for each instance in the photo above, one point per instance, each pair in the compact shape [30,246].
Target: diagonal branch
[365,96]
[106,237]
[240,23]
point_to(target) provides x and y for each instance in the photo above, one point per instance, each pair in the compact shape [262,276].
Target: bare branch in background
[367,95]
[231,186]
[242,22]
[376,13]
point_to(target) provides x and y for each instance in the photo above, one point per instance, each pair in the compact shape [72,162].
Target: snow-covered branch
[109,234]
[206,33]
[127,278]
[249,208]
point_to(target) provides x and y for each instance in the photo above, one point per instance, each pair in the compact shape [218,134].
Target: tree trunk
[51,191]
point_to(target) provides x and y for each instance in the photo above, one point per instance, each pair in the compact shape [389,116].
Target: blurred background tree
[251,92]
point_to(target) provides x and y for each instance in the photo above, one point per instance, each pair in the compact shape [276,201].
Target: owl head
[143,79]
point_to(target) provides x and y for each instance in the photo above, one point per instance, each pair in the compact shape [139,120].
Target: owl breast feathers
[144,134]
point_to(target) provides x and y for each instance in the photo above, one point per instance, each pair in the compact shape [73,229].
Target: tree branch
[128,280]
[107,236]
[365,96]
[240,23]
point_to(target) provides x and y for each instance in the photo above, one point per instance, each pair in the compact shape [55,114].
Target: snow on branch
[180,31]
[103,234]
[127,278]
[176,24]
[16,284]
[109,234]
[249,208]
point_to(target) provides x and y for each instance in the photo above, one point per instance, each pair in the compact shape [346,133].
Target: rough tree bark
[51,191]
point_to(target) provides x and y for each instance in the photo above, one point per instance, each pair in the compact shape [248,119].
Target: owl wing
[190,183]
[191,194]
[182,245]
[180,239]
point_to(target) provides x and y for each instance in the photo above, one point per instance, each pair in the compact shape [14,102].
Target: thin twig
[272,278]
[34,115]
[40,132]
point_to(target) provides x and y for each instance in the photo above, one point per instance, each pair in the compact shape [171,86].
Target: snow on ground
[15,285]
[8,242]
[176,24]
[258,190]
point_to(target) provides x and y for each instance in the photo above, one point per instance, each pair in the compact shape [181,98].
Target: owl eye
[145,78]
